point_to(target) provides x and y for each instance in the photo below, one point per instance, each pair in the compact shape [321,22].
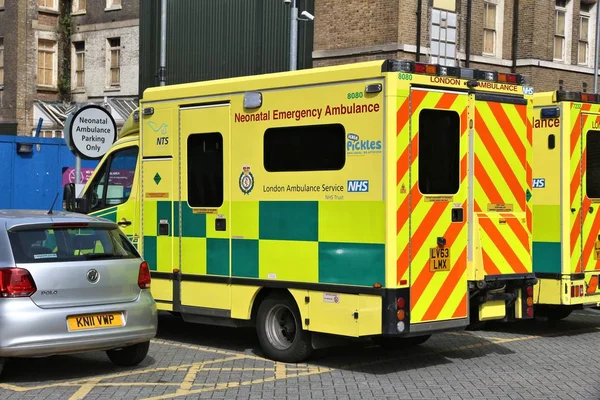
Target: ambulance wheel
[279,330]
[130,355]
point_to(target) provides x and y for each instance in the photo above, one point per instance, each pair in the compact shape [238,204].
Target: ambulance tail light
[508,78]
[589,97]
[577,291]
[429,69]
[401,314]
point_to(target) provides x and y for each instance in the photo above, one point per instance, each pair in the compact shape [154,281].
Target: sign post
[89,133]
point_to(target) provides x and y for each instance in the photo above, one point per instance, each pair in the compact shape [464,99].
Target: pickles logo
[160,141]
[246,180]
[355,146]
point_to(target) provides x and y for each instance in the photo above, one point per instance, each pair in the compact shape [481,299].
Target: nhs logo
[358,186]
[539,183]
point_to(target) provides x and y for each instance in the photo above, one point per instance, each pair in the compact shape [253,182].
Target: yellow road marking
[281,371]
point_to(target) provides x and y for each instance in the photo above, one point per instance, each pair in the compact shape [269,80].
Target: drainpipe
[419,4]
[515,37]
[162,74]
[468,44]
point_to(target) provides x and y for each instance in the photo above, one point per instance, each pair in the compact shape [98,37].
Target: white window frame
[498,29]
[1,62]
[54,52]
[78,8]
[113,5]
[53,7]
[109,68]
[568,10]
[75,64]
[50,133]
[582,16]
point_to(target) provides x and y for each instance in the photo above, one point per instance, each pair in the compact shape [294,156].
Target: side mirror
[69,197]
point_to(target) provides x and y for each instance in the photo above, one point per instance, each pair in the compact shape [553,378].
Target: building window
[49,4]
[46,62]
[79,48]
[205,170]
[1,62]
[79,6]
[305,148]
[439,152]
[584,32]
[489,29]
[443,37]
[1,3]
[560,29]
[114,62]
[112,4]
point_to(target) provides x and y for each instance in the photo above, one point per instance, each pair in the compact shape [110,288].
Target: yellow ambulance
[566,202]
[385,199]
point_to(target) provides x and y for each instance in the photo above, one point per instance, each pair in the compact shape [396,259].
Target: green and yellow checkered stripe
[299,241]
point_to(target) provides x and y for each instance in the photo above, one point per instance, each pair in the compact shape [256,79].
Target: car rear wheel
[279,330]
[130,355]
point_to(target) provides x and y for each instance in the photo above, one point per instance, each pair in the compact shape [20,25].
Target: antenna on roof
[52,206]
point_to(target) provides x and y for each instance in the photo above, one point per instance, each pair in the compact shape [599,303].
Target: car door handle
[124,222]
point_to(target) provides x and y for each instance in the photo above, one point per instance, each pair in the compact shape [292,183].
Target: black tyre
[130,355]
[279,330]
[2,362]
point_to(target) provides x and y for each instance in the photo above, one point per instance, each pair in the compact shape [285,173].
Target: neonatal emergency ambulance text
[299,114]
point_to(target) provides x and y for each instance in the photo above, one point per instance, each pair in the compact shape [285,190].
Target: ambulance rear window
[305,148]
[592,181]
[439,152]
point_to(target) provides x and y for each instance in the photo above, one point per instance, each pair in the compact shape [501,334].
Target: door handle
[124,222]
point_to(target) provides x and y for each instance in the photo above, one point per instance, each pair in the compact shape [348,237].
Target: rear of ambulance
[502,275]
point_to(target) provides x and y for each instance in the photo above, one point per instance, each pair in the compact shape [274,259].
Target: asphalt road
[533,360]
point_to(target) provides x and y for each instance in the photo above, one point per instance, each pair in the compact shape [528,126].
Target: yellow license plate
[94,321]
[439,259]
[597,250]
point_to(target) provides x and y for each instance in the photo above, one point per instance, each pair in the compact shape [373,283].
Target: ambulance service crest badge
[246,180]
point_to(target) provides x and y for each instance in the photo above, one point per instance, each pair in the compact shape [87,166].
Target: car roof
[13,218]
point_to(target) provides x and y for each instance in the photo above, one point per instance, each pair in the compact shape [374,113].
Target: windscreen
[69,244]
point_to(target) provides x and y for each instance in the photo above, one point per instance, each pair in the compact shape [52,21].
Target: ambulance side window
[439,152]
[113,183]
[305,148]
[592,181]
[205,170]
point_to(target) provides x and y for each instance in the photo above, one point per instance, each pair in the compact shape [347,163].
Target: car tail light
[529,291]
[144,276]
[16,282]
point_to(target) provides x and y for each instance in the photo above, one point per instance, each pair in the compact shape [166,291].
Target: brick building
[56,55]
[554,46]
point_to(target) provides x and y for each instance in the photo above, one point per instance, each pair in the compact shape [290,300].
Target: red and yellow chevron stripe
[434,295]
[503,175]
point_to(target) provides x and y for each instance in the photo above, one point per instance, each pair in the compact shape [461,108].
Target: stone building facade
[554,46]
[57,55]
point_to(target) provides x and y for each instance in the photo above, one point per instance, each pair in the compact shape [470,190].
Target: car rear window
[70,244]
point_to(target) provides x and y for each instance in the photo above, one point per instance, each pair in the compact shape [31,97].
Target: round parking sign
[92,131]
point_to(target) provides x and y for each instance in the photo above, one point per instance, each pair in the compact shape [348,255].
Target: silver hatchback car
[71,283]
